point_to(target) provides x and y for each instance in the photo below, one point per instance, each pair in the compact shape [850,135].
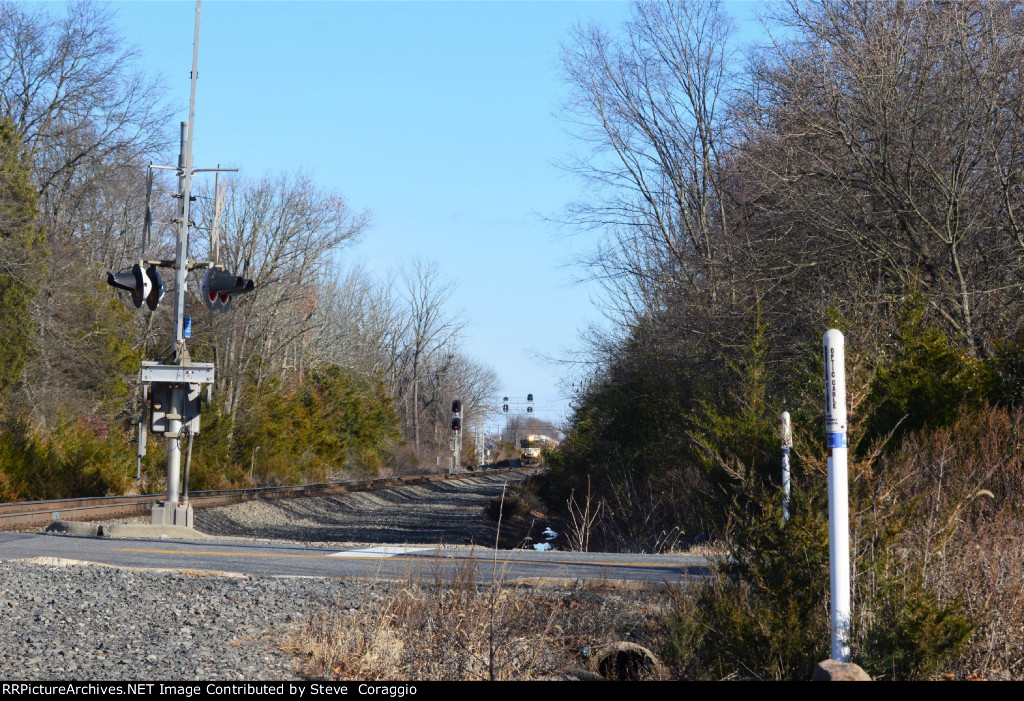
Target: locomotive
[531,453]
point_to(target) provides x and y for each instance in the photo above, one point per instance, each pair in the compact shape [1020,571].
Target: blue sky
[440,118]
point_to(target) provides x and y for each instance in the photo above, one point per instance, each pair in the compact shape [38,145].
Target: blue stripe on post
[836,440]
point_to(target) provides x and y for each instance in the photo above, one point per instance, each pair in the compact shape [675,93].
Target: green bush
[333,422]
[765,614]
[926,380]
[911,634]
[78,458]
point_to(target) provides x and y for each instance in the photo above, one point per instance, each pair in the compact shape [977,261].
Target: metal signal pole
[787,446]
[177,383]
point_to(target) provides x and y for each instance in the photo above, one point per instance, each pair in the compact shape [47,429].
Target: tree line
[324,370]
[858,166]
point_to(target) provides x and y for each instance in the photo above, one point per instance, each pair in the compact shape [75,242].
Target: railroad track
[27,514]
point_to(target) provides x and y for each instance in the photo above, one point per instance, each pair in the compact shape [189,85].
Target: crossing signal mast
[174,388]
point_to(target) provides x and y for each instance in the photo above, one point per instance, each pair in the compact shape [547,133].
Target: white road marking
[378,551]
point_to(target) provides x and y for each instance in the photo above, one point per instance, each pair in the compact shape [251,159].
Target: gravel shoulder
[86,622]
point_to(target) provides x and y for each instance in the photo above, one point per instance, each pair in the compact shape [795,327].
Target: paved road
[382,562]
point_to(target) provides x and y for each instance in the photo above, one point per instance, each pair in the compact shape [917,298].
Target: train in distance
[532,447]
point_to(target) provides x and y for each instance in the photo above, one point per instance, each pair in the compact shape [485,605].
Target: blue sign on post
[188,327]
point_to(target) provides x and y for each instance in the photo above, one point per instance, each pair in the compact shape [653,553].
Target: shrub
[937,561]
[926,381]
[764,614]
[79,458]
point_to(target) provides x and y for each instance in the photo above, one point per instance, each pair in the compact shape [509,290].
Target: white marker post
[787,444]
[838,497]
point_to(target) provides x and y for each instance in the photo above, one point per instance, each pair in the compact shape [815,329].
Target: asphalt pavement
[389,562]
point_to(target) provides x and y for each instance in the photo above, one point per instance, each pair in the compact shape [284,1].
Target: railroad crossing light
[158,288]
[456,408]
[529,410]
[135,281]
[217,287]
[212,299]
[456,424]
[504,408]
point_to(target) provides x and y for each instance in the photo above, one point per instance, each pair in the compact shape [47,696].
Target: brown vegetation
[457,628]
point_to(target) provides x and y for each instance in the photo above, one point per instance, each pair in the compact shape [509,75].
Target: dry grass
[456,628]
[987,573]
[966,485]
[971,530]
[461,629]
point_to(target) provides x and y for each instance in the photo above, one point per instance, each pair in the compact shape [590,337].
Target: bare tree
[397,329]
[429,330]
[652,107]
[281,232]
[88,120]
[71,87]
[453,375]
[886,134]
[363,324]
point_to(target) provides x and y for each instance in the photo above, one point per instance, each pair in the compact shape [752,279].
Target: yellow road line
[421,558]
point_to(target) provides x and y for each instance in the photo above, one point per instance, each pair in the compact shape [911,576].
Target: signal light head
[227,283]
[456,424]
[456,408]
[137,282]
[157,287]
[217,286]
[209,296]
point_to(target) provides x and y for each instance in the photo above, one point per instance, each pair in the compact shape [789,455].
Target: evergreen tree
[22,252]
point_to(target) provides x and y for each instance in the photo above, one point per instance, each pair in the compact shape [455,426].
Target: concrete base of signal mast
[168,514]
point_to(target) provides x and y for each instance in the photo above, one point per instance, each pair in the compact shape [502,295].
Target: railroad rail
[27,514]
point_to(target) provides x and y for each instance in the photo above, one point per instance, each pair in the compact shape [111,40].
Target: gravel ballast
[435,513]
